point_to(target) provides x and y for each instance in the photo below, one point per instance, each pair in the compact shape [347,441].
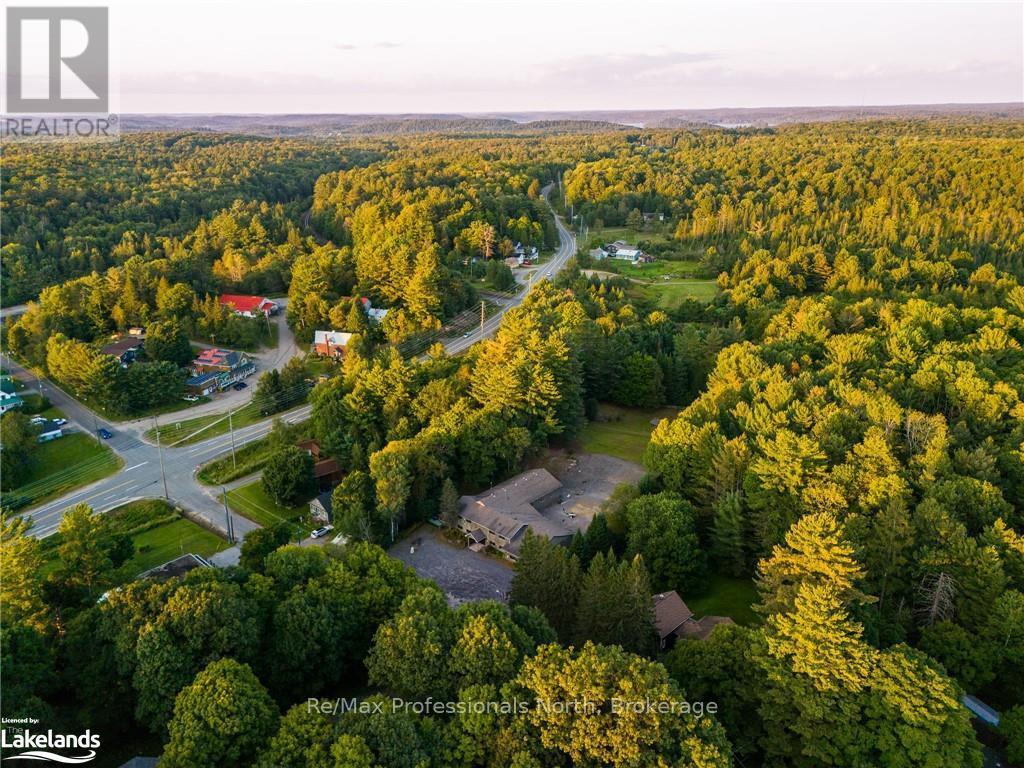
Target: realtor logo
[58,60]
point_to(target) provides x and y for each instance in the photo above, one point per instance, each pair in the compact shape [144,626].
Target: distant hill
[545,122]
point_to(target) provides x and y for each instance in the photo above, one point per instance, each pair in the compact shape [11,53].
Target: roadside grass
[159,532]
[252,502]
[60,466]
[726,596]
[186,432]
[621,432]
[248,459]
[670,295]
[200,428]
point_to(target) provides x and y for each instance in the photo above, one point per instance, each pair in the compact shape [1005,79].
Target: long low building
[501,516]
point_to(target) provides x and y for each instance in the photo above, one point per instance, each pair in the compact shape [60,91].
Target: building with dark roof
[217,369]
[673,619]
[503,514]
[125,349]
[320,508]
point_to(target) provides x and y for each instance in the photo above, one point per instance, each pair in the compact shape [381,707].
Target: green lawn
[160,533]
[726,596]
[657,270]
[656,232]
[622,432]
[250,501]
[62,465]
[670,295]
[248,459]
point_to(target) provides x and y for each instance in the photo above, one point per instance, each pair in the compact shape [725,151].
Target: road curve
[141,475]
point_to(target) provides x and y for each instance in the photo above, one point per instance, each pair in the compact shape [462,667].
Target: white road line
[136,466]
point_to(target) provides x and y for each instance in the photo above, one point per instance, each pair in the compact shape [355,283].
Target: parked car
[191,399]
[60,422]
[239,386]
[323,531]
[106,434]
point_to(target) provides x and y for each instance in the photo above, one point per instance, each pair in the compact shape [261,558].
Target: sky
[437,57]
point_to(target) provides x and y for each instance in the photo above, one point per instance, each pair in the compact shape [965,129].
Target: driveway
[464,576]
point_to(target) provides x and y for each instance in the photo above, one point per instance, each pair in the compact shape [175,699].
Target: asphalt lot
[464,576]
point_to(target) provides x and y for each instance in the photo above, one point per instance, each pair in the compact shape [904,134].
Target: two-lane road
[141,475]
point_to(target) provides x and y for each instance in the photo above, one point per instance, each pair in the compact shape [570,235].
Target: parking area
[464,576]
[588,479]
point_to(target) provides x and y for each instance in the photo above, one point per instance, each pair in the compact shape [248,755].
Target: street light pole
[160,453]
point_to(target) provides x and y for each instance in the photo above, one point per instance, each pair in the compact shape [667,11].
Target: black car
[240,386]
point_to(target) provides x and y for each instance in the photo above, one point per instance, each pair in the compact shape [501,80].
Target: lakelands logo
[74,749]
[58,73]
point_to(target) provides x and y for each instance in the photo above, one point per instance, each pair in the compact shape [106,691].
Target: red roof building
[248,306]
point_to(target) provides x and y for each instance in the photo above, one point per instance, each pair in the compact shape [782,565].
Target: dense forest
[850,438]
[67,208]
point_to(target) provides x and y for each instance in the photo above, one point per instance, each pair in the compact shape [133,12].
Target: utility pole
[481,319]
[231,430]
[227,516]
[160,452]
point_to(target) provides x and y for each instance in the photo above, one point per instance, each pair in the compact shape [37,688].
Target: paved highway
[141,477]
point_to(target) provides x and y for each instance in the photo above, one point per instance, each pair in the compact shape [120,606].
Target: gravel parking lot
[464,576]
[588,480]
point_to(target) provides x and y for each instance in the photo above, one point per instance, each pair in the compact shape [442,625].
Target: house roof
[325,467]
[981,710]
[195,381]
[325,501]
[701,628]
[507,509]
[119,347]
[218,357]
[179,566]
[670,612]
[310,446]
[48,427]
[243,303]
[332,338]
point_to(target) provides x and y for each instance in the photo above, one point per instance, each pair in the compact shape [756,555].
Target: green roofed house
[9,401]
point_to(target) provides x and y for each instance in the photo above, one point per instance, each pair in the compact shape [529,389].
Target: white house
[622,250]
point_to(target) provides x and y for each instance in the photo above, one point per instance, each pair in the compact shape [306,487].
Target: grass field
[250,501]
[657,270]
[159,533]
[655,233]
[167,539]
[62,465]
[671,295]
[622,432]
[726,596]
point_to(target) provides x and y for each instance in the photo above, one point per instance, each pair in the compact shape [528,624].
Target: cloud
[354,47]
[625,68]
